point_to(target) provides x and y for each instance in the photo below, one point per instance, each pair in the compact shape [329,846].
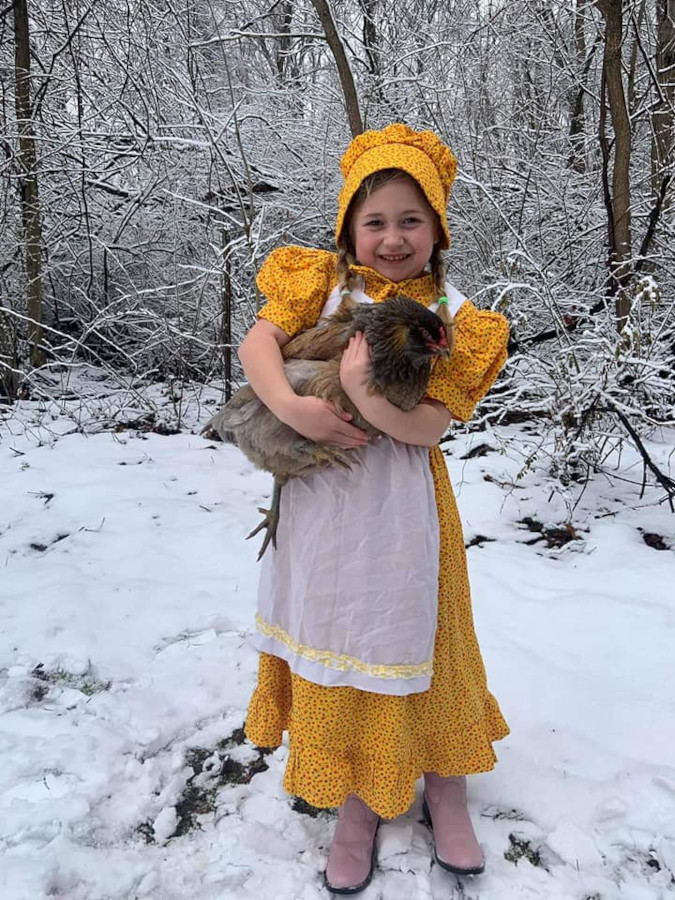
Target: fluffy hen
[403,336]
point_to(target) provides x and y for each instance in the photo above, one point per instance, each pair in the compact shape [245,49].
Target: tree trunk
[28,181]
[226,317]
[618,212]
[578,119]
[346,79]
[632,92]
[368,8]
[8,360]
[663,140]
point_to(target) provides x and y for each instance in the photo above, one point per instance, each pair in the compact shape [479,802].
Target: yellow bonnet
[419,153]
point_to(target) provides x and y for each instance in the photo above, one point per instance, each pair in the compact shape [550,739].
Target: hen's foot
[269,522]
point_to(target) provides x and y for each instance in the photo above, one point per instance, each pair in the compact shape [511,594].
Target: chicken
[403,337]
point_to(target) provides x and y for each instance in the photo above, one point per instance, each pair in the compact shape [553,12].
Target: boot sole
[357,888]
[456,870]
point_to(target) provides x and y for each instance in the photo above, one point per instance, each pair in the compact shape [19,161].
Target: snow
[127,595]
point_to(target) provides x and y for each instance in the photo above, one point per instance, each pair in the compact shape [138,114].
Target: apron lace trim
[342,662]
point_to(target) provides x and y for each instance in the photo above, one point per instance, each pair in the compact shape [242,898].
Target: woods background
[154,152]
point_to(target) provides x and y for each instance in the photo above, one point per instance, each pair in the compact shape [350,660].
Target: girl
[368,653]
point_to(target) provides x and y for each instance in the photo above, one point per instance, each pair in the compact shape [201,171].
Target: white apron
[349,597]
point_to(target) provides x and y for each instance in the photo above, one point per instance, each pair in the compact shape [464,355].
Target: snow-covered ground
[127,593]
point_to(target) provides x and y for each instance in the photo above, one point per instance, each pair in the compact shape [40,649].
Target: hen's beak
[440,347]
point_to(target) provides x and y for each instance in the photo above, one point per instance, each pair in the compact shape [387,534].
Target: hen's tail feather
[240,410]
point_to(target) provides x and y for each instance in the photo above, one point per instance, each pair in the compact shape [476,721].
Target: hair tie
[442,300]
[345,292]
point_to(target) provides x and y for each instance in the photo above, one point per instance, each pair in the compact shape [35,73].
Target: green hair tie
[345,293]
[442,300]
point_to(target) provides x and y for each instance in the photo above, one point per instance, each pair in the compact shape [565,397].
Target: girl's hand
[355,368]
[319,420]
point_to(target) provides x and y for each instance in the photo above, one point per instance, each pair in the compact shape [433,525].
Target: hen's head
[407,329]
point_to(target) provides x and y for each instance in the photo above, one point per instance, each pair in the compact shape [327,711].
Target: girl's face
[394,230]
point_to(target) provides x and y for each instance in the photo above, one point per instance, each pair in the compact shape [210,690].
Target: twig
[666,482]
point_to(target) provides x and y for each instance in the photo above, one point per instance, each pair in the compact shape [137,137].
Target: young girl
[368,653]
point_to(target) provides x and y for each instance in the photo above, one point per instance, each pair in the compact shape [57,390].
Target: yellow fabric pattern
[343,740]
[342,661]
[419,153]
[478,355]
[296,282]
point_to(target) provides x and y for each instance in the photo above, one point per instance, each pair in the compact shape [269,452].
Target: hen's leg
[319,456]
[270,521]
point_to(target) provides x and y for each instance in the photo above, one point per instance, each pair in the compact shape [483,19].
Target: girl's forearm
[424,425]
[312,417]
[263,364]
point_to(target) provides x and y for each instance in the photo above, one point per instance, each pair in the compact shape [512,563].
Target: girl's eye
[411,220]
[373,223]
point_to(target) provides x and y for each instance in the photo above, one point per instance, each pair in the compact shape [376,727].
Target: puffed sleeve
[479,353]
[296,282]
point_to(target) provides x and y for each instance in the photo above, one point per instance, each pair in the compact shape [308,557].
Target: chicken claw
[269,522]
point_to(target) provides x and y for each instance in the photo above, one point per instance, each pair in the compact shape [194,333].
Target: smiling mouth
[398,257]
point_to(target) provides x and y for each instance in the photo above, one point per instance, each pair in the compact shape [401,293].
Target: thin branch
[8,9]
[666,482]
[653,221]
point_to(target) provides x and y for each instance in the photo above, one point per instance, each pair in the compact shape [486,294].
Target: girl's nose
[393,238]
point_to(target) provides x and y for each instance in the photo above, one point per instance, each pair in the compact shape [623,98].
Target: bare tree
[663,116]
[618,198]
[345,73]
[28,181]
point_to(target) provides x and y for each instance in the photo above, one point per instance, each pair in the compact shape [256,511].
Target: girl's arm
[263,364]
[424,425]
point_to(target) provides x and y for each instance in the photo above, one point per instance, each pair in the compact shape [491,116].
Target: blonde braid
[437,265]
[345,277]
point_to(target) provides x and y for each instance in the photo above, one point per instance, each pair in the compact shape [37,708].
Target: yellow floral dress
[344,740]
